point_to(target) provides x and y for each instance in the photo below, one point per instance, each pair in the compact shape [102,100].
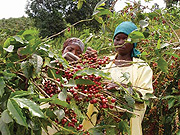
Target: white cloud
[12,8]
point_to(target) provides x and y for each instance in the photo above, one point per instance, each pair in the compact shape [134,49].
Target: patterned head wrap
[126,28]
[75,41]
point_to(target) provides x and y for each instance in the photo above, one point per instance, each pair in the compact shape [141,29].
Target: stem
[89,119]
[121,109]
[112,114]
[59,126]
[10,88]
[66,29]
[41,90]
[177,121]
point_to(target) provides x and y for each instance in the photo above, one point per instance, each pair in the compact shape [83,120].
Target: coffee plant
[39,89]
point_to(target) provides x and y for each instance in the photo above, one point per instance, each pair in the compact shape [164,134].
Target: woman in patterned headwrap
[126,60]
[73,48]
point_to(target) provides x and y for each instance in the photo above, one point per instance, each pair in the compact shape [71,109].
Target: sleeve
[90,122]
[145,80]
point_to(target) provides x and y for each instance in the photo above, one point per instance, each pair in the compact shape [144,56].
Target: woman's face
[73,48]
[126,48]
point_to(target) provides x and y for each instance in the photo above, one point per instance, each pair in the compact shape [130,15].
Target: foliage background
[160,49]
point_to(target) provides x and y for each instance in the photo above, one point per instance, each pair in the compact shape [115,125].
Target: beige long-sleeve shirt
[141,78]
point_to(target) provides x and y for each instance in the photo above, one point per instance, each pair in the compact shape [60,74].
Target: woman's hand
[112,86]
[70,56]
[91,52]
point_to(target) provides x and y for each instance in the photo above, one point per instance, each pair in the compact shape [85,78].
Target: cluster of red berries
[51,88]
[93,62]
[70,120]
[82,93]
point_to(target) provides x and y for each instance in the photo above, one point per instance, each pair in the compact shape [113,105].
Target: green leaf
[103,74]
[4,128]
[32,32]
[2,86]
[126,76]
[103,28]
[7,42]
[130,100]
[6,117]
[15,111]
[144,53]
[104,12]
[84,81]
[52,74]
[10,48]
[85,71]
[50,113]
[51,54]
[27,68]
[98,18]
[101,3]
[46,62]
[8,75]
[90,71]
[169,96]
[80,3]
[30,105]
[149,95]
[59,102]
[173,54]
[135,37]
[164,45]
[76,109]
[44,47]
[178,133]
[158,44]
[95,12]
[62,96]
[177,48]
[171,102]
[37,62]
[162,64]
[98,130]
[143,23]
[124,127]
[71,83]
[60,114]
[18,94]
[63,61]
[30,48]
[18,39]
[1,50]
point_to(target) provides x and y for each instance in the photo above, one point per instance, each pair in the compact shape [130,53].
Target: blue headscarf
[126,28]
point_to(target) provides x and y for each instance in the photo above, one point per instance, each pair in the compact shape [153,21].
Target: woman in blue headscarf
[140,75]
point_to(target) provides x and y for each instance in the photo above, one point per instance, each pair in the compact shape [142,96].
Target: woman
[73,48]
[140,75]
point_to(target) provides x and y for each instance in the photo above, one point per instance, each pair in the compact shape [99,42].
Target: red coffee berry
[74,120]
[58,79]
[80,125]
[104,101]
[113,100]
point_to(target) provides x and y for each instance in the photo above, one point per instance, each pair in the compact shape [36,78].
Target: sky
[16,8]
[12,8]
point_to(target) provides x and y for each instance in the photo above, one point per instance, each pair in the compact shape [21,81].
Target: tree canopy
[51,16]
